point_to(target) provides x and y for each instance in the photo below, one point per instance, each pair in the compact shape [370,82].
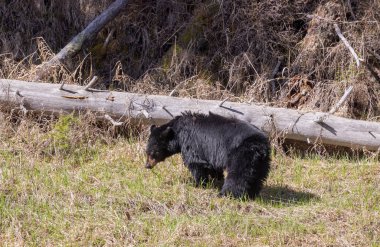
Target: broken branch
[342,100]
[91,83]
[347,44]
[75,45]
[113,122]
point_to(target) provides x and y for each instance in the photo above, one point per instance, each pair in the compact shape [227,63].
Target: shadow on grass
[275,195]
[284,196]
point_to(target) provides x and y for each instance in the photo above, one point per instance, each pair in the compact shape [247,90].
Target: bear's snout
[150,163]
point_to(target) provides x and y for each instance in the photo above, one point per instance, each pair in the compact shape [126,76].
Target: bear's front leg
[200,173]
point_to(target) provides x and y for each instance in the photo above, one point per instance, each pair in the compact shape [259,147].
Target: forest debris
[300,87]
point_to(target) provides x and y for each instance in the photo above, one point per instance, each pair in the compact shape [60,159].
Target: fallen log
[289,123]
[75,45]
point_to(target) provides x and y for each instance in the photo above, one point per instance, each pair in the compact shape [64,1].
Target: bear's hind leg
[216,174]
[247,168]
[234,185]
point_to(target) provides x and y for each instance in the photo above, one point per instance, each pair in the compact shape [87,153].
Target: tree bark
[75,45]
[291,124]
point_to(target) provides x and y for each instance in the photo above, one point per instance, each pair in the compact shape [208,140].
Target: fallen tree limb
[75,45]
[336,107]
[347,44]
[291,124]
[356,57]
[342,100]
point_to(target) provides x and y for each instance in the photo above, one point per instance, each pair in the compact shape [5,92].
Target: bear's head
[159,145]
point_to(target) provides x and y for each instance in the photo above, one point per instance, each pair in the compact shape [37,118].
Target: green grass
[101,194]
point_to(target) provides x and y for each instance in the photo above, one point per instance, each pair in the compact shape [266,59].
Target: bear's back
[213,136]
[233,130]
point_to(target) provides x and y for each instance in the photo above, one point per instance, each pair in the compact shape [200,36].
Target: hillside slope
[285,53]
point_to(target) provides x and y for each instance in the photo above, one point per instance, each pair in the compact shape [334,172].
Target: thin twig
[61,81]
[17,93]
[277,68]
[109,36]
[342,100]
[91,83]
[167,111]
[145,113]
[323,117]
[114,123]
[250,63]
[274,73]
[62,84]
[336,21]
[372,71]
[373,53]
[176,31]
[60,75]
[182,83]
[22,103]
[350,9]
[224,101]
[93,90]
[339,32]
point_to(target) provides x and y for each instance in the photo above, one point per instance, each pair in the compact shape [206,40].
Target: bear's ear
[152,127]
[168,133]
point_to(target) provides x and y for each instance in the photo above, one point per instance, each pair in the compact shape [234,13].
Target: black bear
[211,144]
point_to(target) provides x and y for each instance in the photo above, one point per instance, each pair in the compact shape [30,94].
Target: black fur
[210,144]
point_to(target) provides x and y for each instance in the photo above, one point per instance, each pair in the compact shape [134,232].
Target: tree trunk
[291,124]
[75,45]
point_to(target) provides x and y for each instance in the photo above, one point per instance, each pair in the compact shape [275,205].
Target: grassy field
[65,184]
